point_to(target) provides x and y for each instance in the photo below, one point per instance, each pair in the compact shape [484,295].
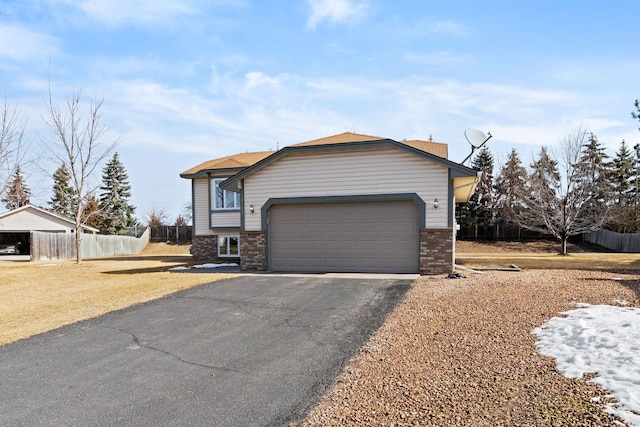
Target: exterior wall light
[436,203]
[252,210]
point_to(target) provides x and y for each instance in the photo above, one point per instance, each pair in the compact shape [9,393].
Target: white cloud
[257,111]
[21,45]
[334,11]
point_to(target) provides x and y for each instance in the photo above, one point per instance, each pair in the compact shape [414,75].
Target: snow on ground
[189,267]
[603,339]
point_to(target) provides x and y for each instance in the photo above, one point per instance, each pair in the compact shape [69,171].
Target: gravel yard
[461,352]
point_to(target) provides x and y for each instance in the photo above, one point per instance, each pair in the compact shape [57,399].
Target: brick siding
[436,251]
[253,248]
[204,248]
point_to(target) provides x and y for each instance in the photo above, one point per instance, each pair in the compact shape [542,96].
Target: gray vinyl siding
[222,219]
[201,207]
[208,222]
[385,171]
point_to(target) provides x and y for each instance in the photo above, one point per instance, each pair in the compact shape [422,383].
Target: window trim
[237,202]
[228,238]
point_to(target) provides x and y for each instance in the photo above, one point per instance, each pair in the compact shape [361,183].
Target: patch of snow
[604,339]
[215,265]
[183,267]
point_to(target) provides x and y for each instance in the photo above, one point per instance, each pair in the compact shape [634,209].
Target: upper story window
[225,199]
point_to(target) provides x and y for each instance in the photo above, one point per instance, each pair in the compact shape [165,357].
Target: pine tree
[634,192]
[63,201]
[622,174]
[18,193]
[636,114]
[479,210]
[117,213]
[622,198]
[510,188]
[594,173]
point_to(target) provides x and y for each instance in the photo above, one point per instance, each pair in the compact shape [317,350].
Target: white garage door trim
[372,233]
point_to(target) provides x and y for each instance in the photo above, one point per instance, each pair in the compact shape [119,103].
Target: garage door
[344,237]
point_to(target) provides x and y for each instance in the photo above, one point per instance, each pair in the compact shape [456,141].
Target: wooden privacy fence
[171,233]
[61,246]
[619,242]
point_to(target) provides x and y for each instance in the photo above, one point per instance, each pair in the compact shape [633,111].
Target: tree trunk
[78,245]
[564,245]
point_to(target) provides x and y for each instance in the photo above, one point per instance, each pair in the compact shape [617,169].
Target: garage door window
[228,246]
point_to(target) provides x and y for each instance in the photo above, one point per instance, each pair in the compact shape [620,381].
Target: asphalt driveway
[253,351]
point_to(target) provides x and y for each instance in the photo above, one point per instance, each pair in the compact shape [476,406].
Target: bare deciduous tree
[11,145]
[574,201]
[76,143]
[157,217]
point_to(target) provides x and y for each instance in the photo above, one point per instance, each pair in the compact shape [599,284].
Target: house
[16,226]
[344,203]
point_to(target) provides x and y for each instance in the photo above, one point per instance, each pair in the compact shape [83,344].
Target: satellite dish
[476,137]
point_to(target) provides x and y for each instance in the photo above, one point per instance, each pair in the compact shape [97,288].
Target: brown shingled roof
[241,160]
[436,148]
[341,138]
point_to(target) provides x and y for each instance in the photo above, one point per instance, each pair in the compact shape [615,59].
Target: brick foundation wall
[253,249]
[204,248]
[436,251]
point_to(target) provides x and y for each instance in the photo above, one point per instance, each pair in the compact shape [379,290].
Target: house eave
[203,173]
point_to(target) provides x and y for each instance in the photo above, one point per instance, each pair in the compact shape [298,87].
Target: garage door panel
[349,237]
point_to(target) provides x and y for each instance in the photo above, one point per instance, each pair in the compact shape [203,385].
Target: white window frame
[227,247]
[228,197]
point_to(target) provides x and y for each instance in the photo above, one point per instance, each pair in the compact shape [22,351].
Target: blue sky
[184,81]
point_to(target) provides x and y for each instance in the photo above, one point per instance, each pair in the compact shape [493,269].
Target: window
[225,199]
[228,246]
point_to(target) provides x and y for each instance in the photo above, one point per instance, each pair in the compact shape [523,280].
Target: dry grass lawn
[541,255]
[38,297]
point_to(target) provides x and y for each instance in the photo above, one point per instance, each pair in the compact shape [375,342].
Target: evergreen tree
[636,114]
[479,210]
[594,174]
[18,193]
[623,182]
[63,201]
[543,190]
[622,174]
[634,193]
[117,213]
[510,188]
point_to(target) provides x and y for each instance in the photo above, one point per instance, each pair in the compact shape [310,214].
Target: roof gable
[334,144]
[44,213]
[237,162]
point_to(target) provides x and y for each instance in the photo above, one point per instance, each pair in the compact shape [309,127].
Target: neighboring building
[345,203]
[16,226]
